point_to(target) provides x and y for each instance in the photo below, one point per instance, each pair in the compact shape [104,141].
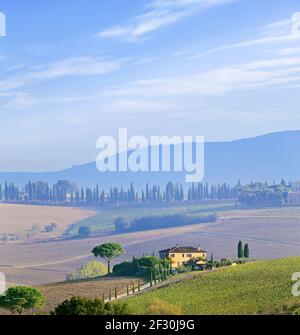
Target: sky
[71,71]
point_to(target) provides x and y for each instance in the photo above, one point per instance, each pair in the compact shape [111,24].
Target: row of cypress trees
[65,191]
[243,251]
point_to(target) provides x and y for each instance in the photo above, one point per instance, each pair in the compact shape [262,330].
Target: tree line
[65,192]
[162,221]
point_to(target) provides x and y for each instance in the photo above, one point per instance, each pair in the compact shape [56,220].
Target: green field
[103,220]
[256,287]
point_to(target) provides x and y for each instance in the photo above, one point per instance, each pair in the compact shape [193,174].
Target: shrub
[149,262]
[126,269]
[36,228]
[160,307]
[21,298]
[50,228]
[244,261]
[90,270]
[296,312]
[240,261]
[117,308]
[84,306]
[222,263]
[84,232]
[225,262]
[183,269]
[121,224]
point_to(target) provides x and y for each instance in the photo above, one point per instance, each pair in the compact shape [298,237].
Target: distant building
[294,194]
[182,255]
[294,198]
[295,186]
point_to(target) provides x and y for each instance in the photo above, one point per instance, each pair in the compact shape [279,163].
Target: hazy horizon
[93,161]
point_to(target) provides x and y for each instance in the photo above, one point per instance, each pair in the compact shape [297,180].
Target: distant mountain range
[264,158]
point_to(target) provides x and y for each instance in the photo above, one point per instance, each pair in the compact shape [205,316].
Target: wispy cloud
[288,51]
[136,106]
[21,101]
[255,42]
[80,67]
[144,60]
[274,33]
[14,67]
[158,14]
[250,75]
[278,28]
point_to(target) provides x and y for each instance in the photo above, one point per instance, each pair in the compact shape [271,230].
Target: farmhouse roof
[178,249]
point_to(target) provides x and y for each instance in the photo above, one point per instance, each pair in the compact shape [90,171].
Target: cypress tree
[240,250]
[143,197]
[246,251]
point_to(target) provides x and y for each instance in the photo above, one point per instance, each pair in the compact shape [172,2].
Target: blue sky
[71,71]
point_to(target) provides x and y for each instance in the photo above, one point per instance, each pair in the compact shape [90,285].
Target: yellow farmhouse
[181,255]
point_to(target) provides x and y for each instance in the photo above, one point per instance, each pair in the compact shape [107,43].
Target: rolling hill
[259,287]
[264,158]
[262,287]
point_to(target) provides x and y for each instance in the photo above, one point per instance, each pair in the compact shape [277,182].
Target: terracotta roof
[180,250]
